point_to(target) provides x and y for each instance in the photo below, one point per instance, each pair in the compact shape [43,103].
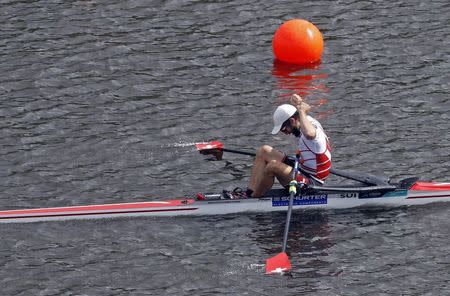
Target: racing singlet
[315,155]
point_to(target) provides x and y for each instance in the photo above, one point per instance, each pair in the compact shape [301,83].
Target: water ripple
[101,102]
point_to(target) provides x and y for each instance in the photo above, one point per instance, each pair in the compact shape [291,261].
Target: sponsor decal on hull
[305,200]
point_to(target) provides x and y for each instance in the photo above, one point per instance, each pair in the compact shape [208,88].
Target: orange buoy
[297,42]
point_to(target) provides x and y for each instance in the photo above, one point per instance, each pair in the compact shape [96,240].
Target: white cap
[281,114]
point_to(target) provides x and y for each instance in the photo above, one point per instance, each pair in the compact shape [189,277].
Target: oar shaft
[288,221]
[238,152]
[292,192]
[281,263]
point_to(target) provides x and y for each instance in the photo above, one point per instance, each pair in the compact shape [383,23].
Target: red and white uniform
[315,155]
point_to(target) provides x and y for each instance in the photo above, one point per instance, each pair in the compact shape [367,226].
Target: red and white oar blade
[209,146]
[213,148]
[278,264]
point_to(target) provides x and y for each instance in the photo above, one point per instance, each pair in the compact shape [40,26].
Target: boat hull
[276,201]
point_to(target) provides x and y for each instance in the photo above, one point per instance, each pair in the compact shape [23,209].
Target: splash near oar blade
[278,264]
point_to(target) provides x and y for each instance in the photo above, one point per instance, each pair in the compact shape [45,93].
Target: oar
[216,148]
[280,263]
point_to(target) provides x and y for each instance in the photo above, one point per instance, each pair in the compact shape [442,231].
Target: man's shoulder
[314,122]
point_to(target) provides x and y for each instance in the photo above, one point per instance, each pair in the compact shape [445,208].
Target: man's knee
[280,170]
[263,151]
[274,167]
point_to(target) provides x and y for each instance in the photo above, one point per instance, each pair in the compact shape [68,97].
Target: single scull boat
[407,192]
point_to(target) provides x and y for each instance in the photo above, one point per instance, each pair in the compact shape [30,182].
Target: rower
[312,143]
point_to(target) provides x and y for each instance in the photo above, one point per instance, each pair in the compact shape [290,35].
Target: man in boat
[312,143]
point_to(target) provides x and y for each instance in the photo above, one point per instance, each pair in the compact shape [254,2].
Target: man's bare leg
[268,165]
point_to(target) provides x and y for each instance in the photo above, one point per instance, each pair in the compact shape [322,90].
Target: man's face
[290,127]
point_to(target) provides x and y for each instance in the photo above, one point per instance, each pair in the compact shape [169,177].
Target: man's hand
[297,101]
[306,127]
